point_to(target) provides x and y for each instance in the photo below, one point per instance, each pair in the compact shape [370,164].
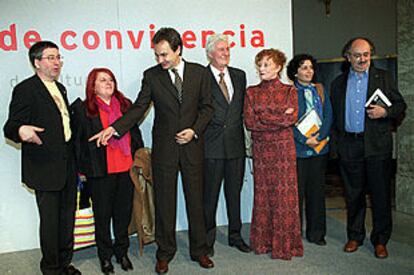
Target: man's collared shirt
[226,78]
[180,71]
[60,103]
[356,96]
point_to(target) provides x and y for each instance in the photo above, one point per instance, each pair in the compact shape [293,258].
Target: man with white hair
[224,143]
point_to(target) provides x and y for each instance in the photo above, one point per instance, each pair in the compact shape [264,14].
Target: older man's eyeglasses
[52,58]
[359,55]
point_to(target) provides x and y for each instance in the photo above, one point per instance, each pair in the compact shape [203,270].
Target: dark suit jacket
[377,133]
[170,116]
[44,167]
[91,160]
[224,136]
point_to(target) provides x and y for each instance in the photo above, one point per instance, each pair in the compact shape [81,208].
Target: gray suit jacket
[224,136]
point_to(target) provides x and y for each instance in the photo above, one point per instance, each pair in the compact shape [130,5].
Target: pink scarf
[114,112]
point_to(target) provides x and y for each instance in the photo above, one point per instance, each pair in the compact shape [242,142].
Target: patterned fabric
[302,149]
[312,98]
[178,83]
[60,103]
[84,229]
[114,112]
[275,224]
[223,87]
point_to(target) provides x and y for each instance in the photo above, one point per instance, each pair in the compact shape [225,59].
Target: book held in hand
[309,125]
[378,98]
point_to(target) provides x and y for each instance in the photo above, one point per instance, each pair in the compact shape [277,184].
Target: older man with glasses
[364,143]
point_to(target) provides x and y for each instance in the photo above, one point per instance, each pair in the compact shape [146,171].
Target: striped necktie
[178,83]
[223,87]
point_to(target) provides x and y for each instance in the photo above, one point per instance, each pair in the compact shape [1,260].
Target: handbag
[84,231]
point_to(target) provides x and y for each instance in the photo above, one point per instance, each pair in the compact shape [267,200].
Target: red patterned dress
[275,224]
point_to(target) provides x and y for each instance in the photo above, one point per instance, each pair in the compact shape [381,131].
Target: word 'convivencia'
[117,39]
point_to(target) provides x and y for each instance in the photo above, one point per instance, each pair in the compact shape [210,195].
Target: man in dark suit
[39,119]
[180,92]
[224,149]
[364,143]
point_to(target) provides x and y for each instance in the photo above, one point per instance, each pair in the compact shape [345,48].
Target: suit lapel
[165,80]
[96,124]
[63,92]
[186,76]
[218,94]
[342,100]
[373,78]
[236,85]
[46,95]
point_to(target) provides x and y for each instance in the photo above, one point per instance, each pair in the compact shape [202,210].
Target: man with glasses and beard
[364,143]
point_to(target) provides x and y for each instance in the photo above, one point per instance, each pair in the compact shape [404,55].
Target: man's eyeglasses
[359,55]
[52,58]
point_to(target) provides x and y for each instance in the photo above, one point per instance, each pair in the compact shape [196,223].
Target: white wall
[69,22]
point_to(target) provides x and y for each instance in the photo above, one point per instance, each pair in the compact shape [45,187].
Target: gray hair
[212,41]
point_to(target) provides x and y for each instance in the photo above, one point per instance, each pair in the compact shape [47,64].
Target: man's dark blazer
[168,156]
[91,159]
[224,136]
[171,117]
[377,133]
[44,167]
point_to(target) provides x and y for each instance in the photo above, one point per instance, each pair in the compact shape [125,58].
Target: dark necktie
[178,83]
[223,87]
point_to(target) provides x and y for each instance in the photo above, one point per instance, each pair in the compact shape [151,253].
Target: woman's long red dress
[275,224]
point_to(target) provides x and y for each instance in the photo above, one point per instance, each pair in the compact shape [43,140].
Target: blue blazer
[303,150]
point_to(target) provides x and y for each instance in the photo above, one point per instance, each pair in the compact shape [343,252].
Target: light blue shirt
[356,96]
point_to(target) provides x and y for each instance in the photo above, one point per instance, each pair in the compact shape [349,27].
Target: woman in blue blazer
[311,151]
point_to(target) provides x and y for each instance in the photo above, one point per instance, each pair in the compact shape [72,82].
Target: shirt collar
[356,74]
[180,67]
[216,72]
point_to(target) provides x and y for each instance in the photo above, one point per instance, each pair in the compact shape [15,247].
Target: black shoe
[107,267]
[241,245]
[71,270]
[125,263]
[320,242]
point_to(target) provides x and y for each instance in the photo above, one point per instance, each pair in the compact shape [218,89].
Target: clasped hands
[313,141]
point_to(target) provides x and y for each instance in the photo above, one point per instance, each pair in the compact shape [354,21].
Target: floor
[317,260]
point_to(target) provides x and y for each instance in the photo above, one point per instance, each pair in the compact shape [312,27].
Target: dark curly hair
[296,62]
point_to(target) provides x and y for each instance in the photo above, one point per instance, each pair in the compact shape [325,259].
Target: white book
[378,98]
[308,121]
[309,124]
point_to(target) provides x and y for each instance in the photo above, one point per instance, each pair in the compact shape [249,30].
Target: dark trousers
[165,189]
[364,175]
[311,187]
[57,220]
[112,199]
[232,171]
